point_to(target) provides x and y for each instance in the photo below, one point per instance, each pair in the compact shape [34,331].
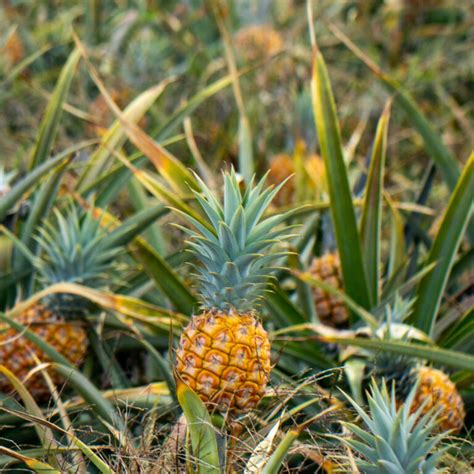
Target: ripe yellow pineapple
[74,249]
[441,393]
[331,310]
[258,42]
[434,388]
[13,49]
[282,166]
[224,352]
[18,353]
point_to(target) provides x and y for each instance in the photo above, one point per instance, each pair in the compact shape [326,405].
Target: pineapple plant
[224,352]
[394,441]
[435,391]
[331,309]
[73,249]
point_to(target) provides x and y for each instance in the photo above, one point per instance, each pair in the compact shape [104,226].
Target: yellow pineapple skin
[280,167]
[441,393]
[17,352]
[225,358]
[258,42]
[331,309]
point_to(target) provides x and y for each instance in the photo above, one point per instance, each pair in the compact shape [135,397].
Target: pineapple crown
[395,440]
[238,251]
[396,367]
[74,248]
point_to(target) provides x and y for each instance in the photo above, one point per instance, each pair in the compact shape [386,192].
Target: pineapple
[330,309]
[439,392]
[13,49]
[74,249]
[393,441]
[258,42]
[224,352]
[281,166]
[311,176]
[435,391]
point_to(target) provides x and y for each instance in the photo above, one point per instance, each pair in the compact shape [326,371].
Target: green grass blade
[163,365]
[38,467]
[166,279]
[135,225]
[282,309]
[178,177]
[370,224]
[86,450]
[432,139]
[191,105]
[309,353]
[444,249]
[53,113]
[43,203]
[433,143]
[116,136]
[361,312]
[44,433]
[462,331]
[30,180]
[139,200]
[162,193]
[22,65]
[276,460]
[52,353]
[134,308]
[203,435]
[457,360]
[342,210]
[303,290]
[246,159]
[397,254]
[98,403]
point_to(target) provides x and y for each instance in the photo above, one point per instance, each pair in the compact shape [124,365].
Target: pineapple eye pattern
[233,360]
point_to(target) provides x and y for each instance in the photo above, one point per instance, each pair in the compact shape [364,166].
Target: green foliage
[394,440]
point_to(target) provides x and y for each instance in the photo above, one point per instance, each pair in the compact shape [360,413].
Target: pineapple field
[237,237]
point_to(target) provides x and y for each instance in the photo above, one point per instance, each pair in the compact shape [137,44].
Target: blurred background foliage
[426,46]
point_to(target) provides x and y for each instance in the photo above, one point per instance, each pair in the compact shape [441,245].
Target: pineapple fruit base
[441,393]
[17,353]
[330,309]
[225,358]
